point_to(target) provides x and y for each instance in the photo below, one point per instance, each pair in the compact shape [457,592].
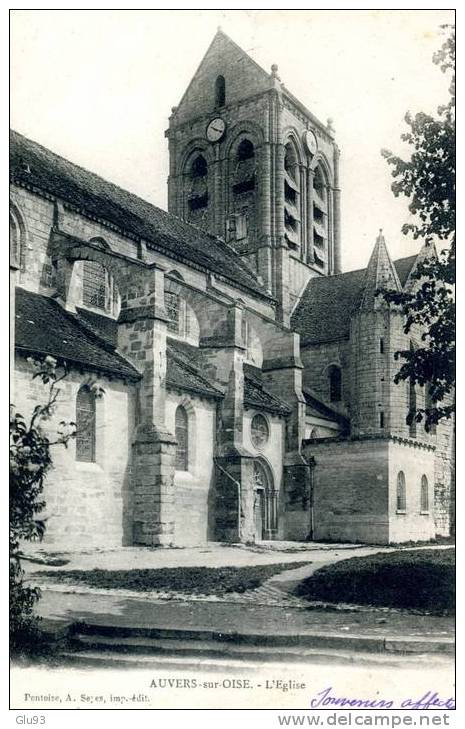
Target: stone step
[211,649]
[312,640]
[381,644]
[100,657]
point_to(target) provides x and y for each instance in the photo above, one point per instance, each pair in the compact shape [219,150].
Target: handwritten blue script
[430,700]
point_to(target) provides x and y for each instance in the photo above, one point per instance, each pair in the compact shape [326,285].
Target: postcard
[232,430]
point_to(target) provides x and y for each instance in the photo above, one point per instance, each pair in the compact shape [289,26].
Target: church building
[228,382]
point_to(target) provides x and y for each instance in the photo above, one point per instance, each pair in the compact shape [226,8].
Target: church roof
[37,168]
[43,327]
[224,56]
[320,409]
[380,274]
[183,373]
[258,397]
[324,312]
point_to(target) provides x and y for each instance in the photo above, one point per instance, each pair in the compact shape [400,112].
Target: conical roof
[380,274]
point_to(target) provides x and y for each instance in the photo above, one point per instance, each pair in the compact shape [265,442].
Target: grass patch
[422,580]
[191,580]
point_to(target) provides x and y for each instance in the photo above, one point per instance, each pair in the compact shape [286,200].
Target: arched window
[412,401]
[429,405]
[320,218]
[424,495]
[181,431]
[335,384]
[244,174]
[240,224]
[17,241]
[198,188]
[95,285]
[172,310]
[220,91]
[291,196]
[401,492]
[85,425]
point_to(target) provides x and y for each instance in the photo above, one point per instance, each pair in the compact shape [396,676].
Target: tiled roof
[182,372]
[403,268]
[320,409]
[42,326]
[185,372]
[327,304]
[257,396]
[38,168]
[103,326]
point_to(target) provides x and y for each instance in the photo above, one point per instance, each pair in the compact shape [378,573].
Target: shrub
[30,461]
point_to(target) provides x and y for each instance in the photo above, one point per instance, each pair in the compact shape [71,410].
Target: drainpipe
[311,496]
[239,494]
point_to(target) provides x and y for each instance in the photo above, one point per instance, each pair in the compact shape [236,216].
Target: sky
[97,87]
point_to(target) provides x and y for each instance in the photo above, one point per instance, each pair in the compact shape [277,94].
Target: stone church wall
[351,490]
[444,478]
[272,452]
[37,214]
[88,504]
[414,461]
[194,489]
[221,59]
[316,360]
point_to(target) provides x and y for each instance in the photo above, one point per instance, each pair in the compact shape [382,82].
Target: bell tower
[250,164]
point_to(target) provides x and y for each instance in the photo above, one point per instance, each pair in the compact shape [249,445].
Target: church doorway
[265,502]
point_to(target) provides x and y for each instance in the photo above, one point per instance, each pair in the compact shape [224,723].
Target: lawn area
[418,579]
[191,580]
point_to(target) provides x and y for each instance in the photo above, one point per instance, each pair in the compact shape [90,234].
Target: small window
[412,401]
[94,285]
[424,495]
[172,310]
[429,405]
[335,384]
[381,345]
[220,91]
[17,242]
[181,431]
[381,420]
[401,493]
[85,426]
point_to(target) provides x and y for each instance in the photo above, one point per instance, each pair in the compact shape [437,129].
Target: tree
[30,461]
[427,179]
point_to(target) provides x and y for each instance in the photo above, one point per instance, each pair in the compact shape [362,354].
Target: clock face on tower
[216,129]
[310,142]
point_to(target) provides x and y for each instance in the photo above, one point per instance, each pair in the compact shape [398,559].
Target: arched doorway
[265,502]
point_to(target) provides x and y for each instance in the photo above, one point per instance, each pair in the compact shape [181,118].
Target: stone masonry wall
[351,490]
[414,461]
[317,359]
[88,504]
[194,488]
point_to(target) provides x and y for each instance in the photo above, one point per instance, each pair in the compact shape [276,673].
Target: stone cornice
[411,442]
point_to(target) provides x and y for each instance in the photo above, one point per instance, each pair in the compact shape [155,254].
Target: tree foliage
[427,179]
[30,461]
